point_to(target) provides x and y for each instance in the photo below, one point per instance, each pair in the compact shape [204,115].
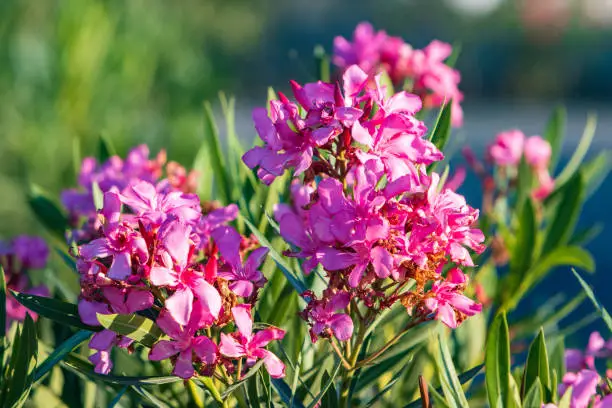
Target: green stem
[348,375]
[193,393]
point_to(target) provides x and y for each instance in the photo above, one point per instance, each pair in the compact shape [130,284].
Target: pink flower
[363,51]
[447,301]
[507,149]
[146,202]
[184,344]
[103,342]
[121,242]
[243,278]
[15,311]
[584,387]
[244,343]
[576,360]
[537,152]
[174,272]
[325,317]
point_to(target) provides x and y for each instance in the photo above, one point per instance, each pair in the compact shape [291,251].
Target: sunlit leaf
[497,361]
[134,326]
[589,291]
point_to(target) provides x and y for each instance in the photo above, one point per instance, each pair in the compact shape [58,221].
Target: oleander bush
[334,262]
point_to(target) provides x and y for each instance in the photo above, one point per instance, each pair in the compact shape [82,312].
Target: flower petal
[163,349]
[230,347]
[180,304]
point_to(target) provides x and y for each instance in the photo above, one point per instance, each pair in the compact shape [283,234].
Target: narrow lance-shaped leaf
[497,362]
[134,326]
[60,352]
[570,255]
[54,309]
[451,386]
[534,397]
[583,147]
[589,291]
[537,370]
[21,367]
[326,386]
[554,134]
[211,138]
[566,214]
[47,212]
[105,148]
[522,252]
[442,130]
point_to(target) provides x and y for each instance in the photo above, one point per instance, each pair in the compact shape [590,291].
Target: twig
[424,393]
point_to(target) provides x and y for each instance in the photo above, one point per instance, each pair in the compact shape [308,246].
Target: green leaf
[201,164]
[105,148]
[497,361]
[557,359]
[282,264]
[60,352]
[2,314]
[21,366]
[566,399]
[526,237]
[327,386]
[447,375]
[211,138]
[47,212]
[439,400]
[537,370]
[442,129]
[569,255]
[231,388]
[589,291]
[387,387]
[554,134]
[210,386]
[98,196]
[566,214]
[134,326]
[322,61]
[463,378]
[330,400]
[150,397]
[581,150]
[54,309]
[586,235]
[284,392]
[534,399]
[80,365]
[524,182]
[117,398]
[596,171]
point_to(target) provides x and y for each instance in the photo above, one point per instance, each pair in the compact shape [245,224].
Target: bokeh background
[137,72]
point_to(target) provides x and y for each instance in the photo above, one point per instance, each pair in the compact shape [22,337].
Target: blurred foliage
[135,71]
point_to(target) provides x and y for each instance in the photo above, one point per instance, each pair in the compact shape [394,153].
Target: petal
[163,349]
[98,248]
[102,340]
[354,80]
[160,276]
[228,240]
[446,315]
[88,311]
[175,239]
[357,274]
[102,361]
[121,268]
[334,259]
[205,349]
[255,259]
[361,134]
[274,365]
[209,299]
[180,304]
[230,347]
[342,326]
[184,365]
[263,337]
[243,320]
[382,261]
[242,288]
[112,207]
[139,300]
[169,325]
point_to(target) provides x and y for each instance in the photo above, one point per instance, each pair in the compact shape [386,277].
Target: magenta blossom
[103,342]
[507,149]
[324,316]
[183,344]
[32,252]
[537,152]
[174,272]
[243,278]
[597,347]
[448,302]
[244,343]
[121,242]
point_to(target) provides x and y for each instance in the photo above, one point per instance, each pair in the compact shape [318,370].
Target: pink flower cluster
[155,252]
[18,257]
[582,376]
[422,71]
[365,208]
[117,174]
[509,148]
